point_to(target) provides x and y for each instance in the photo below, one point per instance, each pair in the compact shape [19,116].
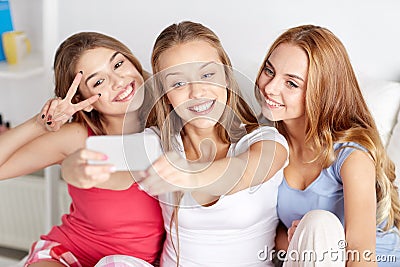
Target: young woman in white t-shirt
[223,167]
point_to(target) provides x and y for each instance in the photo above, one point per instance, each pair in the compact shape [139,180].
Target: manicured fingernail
[105,157]
[81,72]
[99,94]
[113,169]
[43,116]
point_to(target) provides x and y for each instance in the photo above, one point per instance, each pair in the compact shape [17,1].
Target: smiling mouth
[273,103]
[203,108]
[127,94]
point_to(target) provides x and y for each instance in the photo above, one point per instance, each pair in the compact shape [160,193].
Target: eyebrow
[288,74]
[179,72]
[94,74]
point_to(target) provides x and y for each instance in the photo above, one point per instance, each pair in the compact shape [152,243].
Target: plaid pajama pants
[44,250]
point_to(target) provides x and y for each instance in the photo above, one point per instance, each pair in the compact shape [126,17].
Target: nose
[270,87]
[197,89]
[117,81]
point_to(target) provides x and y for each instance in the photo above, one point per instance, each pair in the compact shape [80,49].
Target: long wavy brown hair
[66,58]
[336,111]
[236,114]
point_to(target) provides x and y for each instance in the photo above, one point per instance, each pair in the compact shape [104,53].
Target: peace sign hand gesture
[58,111]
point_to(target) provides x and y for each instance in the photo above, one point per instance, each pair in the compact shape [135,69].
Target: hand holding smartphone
[133,152]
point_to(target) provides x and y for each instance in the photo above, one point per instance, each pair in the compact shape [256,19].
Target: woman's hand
[76,171]
[169,173]
[58,111]
[292,229]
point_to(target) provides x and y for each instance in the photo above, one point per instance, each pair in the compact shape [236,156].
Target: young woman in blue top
[337,162]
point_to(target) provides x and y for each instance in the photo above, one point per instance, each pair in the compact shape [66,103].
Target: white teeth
[125,94]
[271,103]
[202,107]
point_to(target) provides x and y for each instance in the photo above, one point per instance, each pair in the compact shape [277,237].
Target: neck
[296,131]
[211,144]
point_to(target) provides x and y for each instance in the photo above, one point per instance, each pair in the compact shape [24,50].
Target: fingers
[62,117]
[86,154]
[51,110]
[292,229]
[74,87]
[43,112]
[290,234]
[87,102]
[76,170]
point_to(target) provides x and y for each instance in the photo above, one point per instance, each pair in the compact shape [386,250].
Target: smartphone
[133,152]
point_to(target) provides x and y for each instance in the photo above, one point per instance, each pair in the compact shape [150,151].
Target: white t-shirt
[237,230]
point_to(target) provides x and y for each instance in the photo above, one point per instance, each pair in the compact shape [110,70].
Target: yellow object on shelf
[16,46]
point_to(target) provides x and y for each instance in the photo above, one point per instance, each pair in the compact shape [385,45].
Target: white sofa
[383,99]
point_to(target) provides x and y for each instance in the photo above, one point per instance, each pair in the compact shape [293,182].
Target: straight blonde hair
[239,113]
[336,111]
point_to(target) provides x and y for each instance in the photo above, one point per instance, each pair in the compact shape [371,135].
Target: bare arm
[13,139]
[227,175]
[39,142]
[358,175]
[32,154]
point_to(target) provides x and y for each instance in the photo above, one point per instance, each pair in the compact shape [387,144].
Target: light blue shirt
[326,193]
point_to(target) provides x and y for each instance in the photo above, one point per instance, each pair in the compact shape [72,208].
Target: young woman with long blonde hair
[222,165]
[307,86]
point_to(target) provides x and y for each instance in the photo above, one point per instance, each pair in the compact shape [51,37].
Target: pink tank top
[104,222]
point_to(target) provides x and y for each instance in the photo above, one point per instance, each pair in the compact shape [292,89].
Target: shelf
[30,66]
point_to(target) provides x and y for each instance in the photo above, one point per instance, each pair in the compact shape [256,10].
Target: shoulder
[348,146]
[353,160]
[344,150]
[356,161]
[263,133]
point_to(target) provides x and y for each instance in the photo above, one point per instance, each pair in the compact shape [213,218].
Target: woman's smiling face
[283,83]
[110,73]
[195,83]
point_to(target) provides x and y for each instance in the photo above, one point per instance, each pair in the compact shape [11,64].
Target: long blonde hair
[169,123]
[66,58]
[336,111]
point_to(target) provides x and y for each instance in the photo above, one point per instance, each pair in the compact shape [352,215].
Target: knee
[122,261]
[317,219]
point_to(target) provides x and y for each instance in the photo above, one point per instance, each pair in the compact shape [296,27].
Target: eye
[98,83]
[269,72]
[119,64]
[207,75]
[292,84]
[178,84]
